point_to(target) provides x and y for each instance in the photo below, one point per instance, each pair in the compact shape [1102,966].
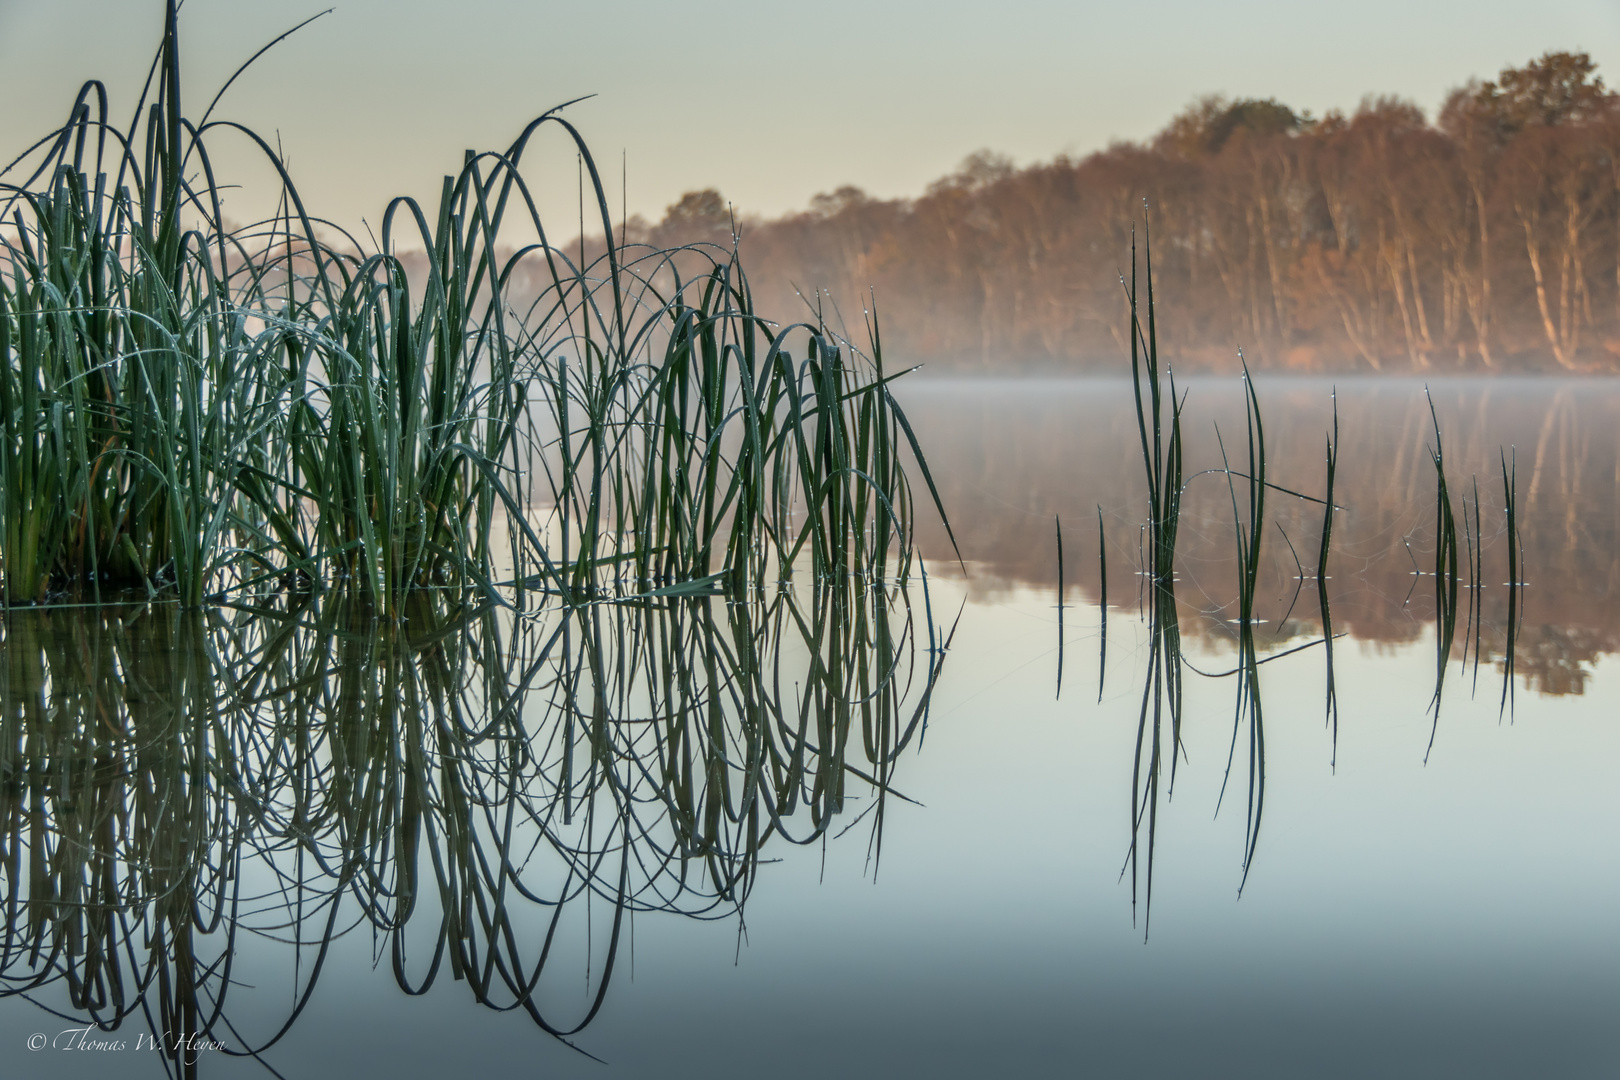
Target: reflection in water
[1102,607]
[1236,617]
[490,798]
[1250,533]
[1324,549]
[1010,453]
[1515,582]
[1446,578]
[1159,432]
[196,808]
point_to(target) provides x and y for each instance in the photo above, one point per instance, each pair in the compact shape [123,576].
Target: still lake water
[1409,911]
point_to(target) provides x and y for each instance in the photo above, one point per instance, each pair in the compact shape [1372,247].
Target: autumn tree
[1487,239]
[1554,178]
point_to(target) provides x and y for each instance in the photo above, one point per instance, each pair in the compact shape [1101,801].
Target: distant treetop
[1558,89]
[1209,123]
[978,170]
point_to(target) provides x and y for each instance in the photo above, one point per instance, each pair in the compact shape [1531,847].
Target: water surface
[1428,896]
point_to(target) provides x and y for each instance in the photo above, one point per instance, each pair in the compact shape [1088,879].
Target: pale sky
[769,102]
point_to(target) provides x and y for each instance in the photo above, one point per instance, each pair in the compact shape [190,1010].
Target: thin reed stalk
[1445,575]
[1510,506]
[1057,521]
[1248,707]
[1102,606]
[1161,443]
[1332,694]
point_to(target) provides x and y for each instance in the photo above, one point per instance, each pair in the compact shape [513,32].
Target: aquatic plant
[1248,706]
[1473,555]
[1323,549]
[1058,523]
[1161,447]
[204,409]
[1515,586]
[1102,606]
[1162,686]
[1445,574]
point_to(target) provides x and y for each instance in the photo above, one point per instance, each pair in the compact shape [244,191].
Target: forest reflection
[195,806]
[1011,455]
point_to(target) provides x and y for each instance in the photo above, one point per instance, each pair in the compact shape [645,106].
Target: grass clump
[199,409]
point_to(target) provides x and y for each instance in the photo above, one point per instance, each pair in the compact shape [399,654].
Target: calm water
[1455,916]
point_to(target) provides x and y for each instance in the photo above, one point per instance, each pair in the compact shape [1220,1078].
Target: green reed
[1248,708]
[1102,606]
[1515,612]
[700,447]
[1473,555]
[1159,412]
[121,398]
[1449,576]
[1325,546]
[1445,574]
[1057,521]
[203,409]
[1155,389]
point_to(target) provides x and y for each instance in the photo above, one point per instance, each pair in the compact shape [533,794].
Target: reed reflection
[1009,455]
[197,805]
[1160,413]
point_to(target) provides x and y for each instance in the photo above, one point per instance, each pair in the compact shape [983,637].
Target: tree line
[1486,240]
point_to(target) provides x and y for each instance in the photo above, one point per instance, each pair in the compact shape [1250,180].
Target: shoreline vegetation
[1483,240]
[440,604]
[506,576]
[214,411]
